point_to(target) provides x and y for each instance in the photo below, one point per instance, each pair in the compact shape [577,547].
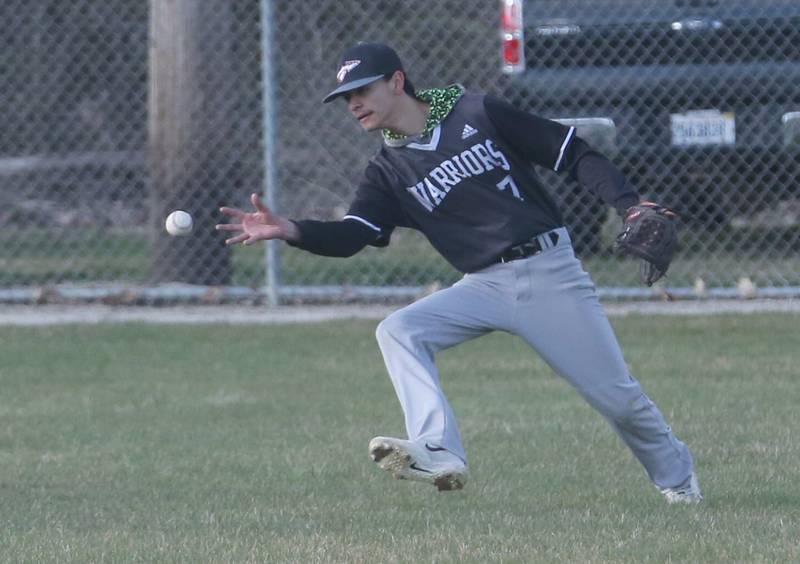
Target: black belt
[528,248]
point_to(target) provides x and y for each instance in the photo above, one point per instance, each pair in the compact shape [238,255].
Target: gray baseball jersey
[472,193]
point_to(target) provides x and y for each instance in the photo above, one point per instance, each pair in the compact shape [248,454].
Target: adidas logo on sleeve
[468,131]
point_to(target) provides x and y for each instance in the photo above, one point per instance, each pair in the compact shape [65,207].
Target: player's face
[373,105]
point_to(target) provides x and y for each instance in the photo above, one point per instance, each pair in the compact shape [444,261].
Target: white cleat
[405,460]
[688,492]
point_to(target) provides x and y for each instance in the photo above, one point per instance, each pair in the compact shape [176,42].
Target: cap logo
[347,66]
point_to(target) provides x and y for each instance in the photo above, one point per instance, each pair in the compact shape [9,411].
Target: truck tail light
[511,36]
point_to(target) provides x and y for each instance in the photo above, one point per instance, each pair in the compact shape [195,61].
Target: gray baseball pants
[550,302]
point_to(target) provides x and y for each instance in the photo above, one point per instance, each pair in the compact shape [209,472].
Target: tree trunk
[192,161]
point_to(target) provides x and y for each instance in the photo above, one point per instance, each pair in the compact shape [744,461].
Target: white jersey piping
[364,221]
[564,145]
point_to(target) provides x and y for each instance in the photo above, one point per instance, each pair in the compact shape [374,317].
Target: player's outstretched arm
[259,225]
[327,238]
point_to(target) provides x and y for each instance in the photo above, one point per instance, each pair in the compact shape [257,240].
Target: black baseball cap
[363,64]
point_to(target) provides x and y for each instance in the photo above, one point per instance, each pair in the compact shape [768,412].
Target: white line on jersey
[468,131]
[364,221]
[567,139]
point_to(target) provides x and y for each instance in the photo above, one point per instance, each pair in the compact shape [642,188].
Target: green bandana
[441,100]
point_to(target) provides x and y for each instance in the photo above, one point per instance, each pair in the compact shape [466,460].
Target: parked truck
[698,101]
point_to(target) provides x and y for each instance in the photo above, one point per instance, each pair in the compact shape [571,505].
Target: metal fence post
[269,124]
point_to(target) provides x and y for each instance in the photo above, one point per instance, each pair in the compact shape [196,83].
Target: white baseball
[179,223]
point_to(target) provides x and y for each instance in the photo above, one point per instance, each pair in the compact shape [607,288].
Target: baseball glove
[649,232]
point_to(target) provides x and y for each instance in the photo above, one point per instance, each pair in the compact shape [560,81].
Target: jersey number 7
[508,182]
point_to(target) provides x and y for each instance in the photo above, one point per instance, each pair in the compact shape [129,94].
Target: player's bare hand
[258,225]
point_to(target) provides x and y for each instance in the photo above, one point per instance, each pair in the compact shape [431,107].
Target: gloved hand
[649,232]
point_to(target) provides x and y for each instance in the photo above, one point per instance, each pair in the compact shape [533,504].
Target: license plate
[703,127]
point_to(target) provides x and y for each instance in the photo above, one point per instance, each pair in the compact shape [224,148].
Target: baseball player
[457,167]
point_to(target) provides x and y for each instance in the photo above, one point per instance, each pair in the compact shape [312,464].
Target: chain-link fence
[117,111]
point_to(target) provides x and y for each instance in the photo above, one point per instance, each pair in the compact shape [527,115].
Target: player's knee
[619,403]
[627,409]
[394,327]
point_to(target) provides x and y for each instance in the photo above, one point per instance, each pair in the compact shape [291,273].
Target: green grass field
[138,443]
